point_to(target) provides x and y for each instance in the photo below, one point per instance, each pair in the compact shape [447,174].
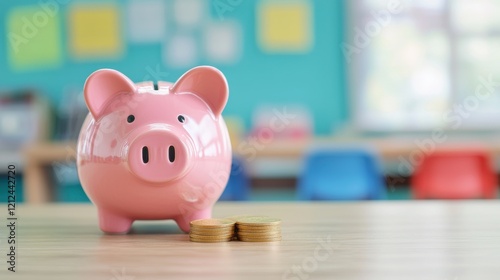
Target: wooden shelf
[38,188]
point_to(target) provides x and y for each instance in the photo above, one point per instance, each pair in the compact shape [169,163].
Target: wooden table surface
[428,240]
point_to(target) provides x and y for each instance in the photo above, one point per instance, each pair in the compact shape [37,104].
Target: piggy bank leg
[184,220]
[113,224]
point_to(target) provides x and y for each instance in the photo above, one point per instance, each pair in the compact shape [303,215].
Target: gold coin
[265,234]
[215,228]
[204,237]
[211,236]
[258,221]
[210,232]
[212,229]
[270,239]
[212,223]
[259,236]
[257,228]
[207,237]
[210,240]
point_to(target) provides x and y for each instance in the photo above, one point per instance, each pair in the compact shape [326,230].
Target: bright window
[433,63]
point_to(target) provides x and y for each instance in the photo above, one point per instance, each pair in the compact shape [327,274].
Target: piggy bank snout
[158,156]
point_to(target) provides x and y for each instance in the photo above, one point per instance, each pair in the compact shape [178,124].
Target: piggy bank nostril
[145,154]
[171,153]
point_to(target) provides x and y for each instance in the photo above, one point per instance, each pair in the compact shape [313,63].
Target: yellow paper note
[285,26]
[94,31]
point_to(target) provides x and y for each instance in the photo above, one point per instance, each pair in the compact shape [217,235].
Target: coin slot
[145,154]
[171,153]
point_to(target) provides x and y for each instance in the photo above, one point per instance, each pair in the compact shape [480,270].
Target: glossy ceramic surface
[146,153]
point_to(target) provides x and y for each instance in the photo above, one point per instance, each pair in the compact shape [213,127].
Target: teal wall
[316,79]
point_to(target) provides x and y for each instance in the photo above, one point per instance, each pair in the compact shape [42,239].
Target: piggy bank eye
[181,118]
[130,118]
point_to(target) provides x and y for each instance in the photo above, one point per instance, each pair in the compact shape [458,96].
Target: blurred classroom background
[329,99]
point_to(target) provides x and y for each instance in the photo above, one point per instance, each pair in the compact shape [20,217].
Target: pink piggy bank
[151,153]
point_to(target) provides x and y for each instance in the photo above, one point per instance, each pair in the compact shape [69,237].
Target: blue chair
[341,174]
[238,185]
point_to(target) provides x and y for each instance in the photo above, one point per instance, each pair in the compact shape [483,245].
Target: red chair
[455,174]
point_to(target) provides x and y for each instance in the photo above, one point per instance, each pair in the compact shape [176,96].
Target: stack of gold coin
[258,229]
[212,230]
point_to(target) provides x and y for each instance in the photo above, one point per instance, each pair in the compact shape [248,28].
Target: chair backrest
[238,185]
[341,174]
[455,174]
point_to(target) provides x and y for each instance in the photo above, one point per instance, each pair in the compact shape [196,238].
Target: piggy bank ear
[206,82]
[101,86]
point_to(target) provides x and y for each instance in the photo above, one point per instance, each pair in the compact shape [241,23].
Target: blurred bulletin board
[272,51]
